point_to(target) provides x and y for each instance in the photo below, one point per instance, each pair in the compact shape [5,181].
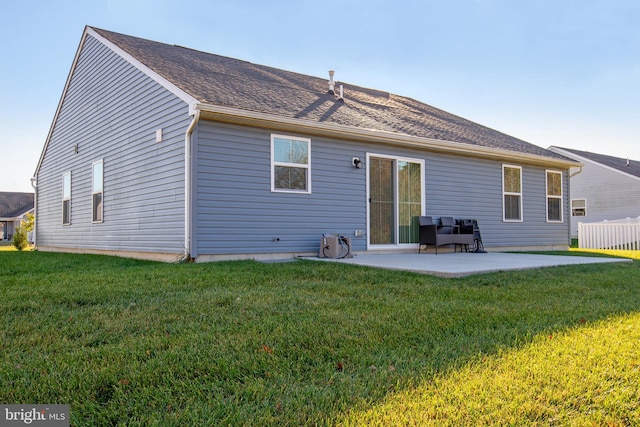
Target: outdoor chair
[448,233]
[447,225]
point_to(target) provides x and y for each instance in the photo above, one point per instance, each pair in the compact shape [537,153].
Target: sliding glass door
[396,199]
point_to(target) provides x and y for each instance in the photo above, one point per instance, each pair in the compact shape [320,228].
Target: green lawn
[128,342]
[8,247]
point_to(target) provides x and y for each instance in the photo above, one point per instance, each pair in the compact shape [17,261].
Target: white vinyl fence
[623,234]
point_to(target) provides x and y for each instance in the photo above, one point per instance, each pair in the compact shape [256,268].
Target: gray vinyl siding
[111,111]
[610,194]
[472,188]
[235,211]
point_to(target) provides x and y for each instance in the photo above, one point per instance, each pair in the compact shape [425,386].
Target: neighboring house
[159,151]
[13,208]
[607,188]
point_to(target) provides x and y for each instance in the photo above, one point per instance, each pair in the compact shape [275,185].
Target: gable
[618,164]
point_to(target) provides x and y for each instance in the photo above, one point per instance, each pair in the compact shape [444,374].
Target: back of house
[160,151]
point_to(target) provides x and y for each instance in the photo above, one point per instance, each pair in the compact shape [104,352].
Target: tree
[20,238]
[28,222]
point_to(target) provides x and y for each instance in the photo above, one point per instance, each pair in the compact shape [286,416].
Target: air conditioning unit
[335,246]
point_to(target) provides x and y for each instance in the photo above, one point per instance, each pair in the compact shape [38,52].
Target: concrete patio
[465,264]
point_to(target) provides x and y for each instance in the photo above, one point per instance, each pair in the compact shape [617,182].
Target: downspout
[571,175]
[34,184]
[187,185]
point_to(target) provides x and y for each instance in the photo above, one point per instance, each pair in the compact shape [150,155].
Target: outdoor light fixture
[356,162]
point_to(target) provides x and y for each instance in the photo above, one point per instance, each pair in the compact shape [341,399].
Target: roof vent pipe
[332,84]
[341,93]
[627,161]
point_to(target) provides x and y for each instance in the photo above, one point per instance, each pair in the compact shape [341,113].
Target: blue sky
[564,73]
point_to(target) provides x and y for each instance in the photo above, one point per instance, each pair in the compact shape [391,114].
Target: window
[96,193]
[554,196]
[290,164]
[579,207]
[512,193]
[66,198]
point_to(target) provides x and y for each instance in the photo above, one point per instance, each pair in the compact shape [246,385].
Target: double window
[554,196]
[97,191]
[512,193]
[290,164]
[66,198]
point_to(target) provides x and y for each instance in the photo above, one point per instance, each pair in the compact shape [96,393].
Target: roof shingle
[632,167]
[13,205]
[228,82]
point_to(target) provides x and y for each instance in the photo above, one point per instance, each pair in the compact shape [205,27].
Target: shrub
[20,239]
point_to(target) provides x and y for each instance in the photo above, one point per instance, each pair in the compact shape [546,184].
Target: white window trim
[66,199]
[505,193]
[585,207]
[294,165]
[397,205]
[101,161]
[560,197]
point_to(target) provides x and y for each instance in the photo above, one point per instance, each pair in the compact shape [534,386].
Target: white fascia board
[64,93]
[585,160]
[190,100]
[252,118]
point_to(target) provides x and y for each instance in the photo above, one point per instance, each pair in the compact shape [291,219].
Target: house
[164,152]
[13,208]
[607,187]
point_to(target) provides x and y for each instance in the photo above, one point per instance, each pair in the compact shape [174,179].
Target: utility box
[333,246]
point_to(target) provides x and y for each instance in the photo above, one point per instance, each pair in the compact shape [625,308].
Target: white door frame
[396,159]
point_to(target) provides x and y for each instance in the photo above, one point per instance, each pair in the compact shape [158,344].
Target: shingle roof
[228,82]
[13,205]
[618,163]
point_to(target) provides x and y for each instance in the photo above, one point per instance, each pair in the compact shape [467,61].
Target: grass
[569,378]
[609,252]
[128,342]
[8,247]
